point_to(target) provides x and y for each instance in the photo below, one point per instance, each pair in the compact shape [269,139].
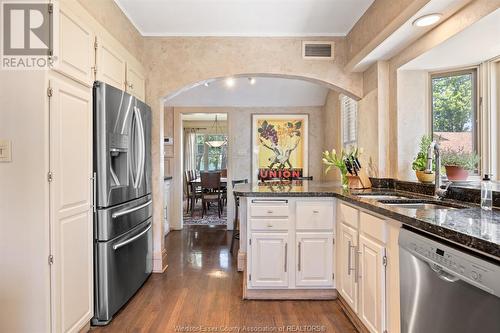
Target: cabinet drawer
[314,215]
[373,226]
[257,210]
[348,215]
[269,224]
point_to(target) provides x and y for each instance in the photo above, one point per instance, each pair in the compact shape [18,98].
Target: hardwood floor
[201,290]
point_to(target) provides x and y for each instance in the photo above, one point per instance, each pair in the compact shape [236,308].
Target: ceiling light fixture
[215,129]
[251,80]
[230,82]
[426,20]
[206,84]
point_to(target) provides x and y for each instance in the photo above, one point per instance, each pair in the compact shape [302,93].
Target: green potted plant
[420,162]
[458,163]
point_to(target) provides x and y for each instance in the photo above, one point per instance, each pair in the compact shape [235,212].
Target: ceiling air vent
[317,50]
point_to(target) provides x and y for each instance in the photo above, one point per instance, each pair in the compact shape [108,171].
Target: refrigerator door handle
[143,147]
[130,240]
[131,210]
[138,137]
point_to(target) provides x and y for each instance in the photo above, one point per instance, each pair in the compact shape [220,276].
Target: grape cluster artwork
[279,147]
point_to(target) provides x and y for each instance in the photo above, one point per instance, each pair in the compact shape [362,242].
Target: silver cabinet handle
[131,210]
[316,211]
[356,265]
[349,257]
[94,194]
[269,211]
[286,255]
[299,259]
[269,201]
[130,240]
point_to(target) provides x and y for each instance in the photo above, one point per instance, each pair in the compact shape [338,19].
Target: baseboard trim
[290,294]
[242,261]
[352,316]
[160,264]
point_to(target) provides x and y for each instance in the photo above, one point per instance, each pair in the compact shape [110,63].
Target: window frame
[353,142]
[476,126]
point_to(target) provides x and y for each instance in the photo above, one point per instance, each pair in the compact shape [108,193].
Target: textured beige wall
[413,118]
[110,16]
[331,130]
[377,23]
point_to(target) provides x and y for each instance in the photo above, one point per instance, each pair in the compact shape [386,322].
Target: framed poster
[279,146]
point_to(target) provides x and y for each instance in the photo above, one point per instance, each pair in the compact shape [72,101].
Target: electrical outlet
[5,151]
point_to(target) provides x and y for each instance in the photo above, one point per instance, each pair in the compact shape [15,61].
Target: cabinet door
[111,66]
[372,284]
[314,259]
[76,48]
[135,82]
[269,260]
[347,253]
[70,203]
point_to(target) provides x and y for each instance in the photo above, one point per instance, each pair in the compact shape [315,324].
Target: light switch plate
[5,151]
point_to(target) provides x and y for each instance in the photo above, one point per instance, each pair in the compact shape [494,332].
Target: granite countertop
[469,226]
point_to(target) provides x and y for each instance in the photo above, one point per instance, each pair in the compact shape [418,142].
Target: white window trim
[352,141]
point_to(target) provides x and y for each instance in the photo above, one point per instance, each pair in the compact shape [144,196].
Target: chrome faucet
[435,149]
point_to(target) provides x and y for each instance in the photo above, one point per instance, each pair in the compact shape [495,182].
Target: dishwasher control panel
[471,269]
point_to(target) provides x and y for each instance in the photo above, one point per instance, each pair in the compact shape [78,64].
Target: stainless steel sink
[424,204]
[381,196]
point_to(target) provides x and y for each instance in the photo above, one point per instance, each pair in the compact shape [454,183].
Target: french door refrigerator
[122,199]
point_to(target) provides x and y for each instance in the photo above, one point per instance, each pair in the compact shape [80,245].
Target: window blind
[349,111]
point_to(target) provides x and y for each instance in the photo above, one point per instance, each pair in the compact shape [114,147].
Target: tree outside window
[210,158]
[454,110]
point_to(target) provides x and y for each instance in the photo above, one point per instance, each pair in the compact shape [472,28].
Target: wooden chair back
[210,180]
[223,173]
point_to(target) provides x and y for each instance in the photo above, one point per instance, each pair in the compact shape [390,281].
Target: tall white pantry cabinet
[60,101]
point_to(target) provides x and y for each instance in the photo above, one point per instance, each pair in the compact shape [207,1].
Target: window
[454,106]
[210,158]
[349,114]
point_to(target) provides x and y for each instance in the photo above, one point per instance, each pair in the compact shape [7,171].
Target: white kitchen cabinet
[314,259]
[111,64]
[314,215]
[269,260]
[361,256]
[70,108]
[76,57]
[167,204]
[372,284]
[135,81]
[346,255]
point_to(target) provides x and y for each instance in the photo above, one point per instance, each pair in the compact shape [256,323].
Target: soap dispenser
[486,193]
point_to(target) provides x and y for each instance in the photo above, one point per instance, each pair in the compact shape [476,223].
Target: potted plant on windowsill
[458,163]
[420,162]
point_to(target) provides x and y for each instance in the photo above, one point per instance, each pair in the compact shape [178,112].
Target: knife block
[361,181]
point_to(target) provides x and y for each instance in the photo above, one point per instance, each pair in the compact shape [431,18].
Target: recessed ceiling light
[251,80]
[230,82]
[427,20]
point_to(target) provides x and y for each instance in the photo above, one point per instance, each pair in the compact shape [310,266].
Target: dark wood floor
[202,288]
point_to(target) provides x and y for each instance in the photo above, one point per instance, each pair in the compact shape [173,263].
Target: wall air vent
[317,50]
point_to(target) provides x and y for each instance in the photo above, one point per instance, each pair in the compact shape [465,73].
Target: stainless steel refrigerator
[122,196]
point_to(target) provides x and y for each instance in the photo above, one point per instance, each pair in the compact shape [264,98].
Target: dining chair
[211,191]
[236,224]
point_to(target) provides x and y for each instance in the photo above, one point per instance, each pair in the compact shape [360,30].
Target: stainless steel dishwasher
[444,289]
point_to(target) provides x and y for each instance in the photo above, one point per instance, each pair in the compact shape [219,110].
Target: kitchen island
[314,240]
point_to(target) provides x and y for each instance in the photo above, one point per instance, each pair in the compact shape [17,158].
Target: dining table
[197,182]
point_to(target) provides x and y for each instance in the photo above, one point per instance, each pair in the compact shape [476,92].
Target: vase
[424,177]
[454,172]
[345,180]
